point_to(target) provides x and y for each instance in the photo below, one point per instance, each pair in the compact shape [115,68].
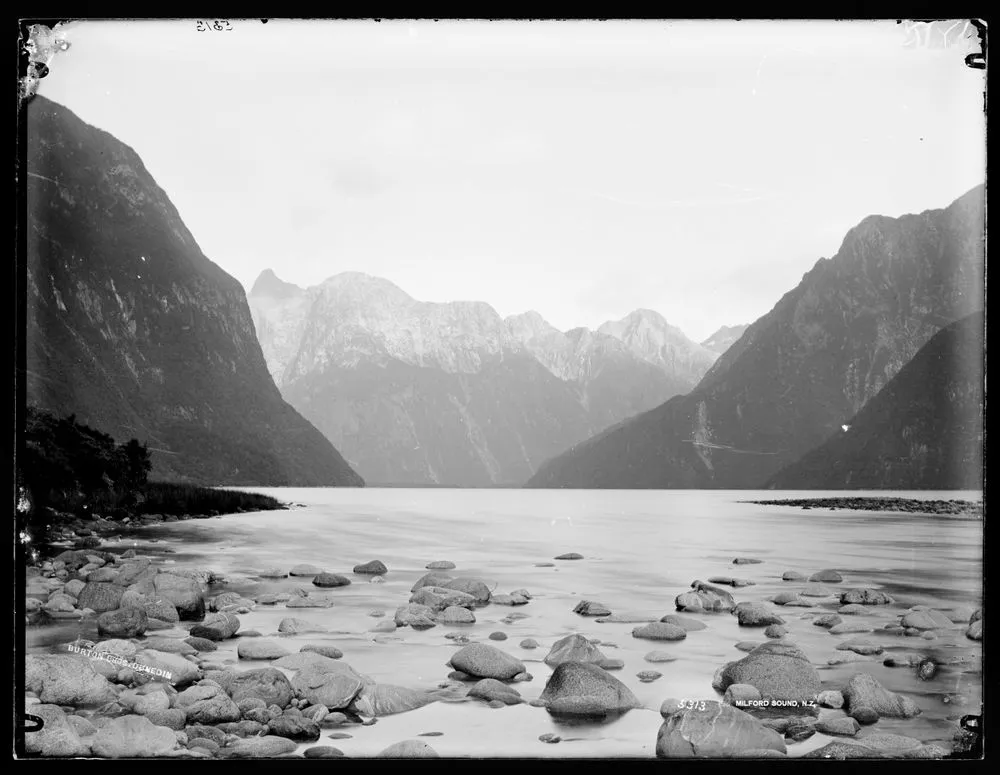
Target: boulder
[860,646]
[453,614]
[747,561]
[756,615]
[327,682]
[58,737]
[330,580]
[793,575]
[838,751]
[779,671]
[814,589]
[686,623]
[290,626]
[63,679]
[439,598]
[440,565]
[182,671]
[432,579]
[866,596]
[828,576]
[714,730]
[298,729]
[305,570]
[582,689]
[386,700]
[481,660]
[408,749]
[574,648]
[471,586]
[100,596]
[186,594]
[841,726]
[133,737]
[259,648]
[373,568]
[591,608]
[705,598]
[208,704]
[217,627]
[569,556]
[844,628]
[659,631]
[265,747]
[926,620]
[332,652]
[830,698]
[123,623]
[975,630]
[413,614]
[267,684]
[864,692]
[490,689]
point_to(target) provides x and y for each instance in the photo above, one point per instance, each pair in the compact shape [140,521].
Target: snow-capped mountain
[450,393]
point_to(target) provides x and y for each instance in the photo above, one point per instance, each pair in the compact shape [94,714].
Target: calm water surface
[640,549]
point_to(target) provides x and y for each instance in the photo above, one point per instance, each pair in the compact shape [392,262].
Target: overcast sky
[581,169]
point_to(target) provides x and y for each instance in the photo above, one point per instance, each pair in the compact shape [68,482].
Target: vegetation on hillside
[70,469]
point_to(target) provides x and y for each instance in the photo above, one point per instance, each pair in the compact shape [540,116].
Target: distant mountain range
[724,338]
[924,428]
[427,393]
[132,329]
[805,369]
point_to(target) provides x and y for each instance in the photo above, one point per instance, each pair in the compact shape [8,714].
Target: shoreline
[258,639]
[955,507]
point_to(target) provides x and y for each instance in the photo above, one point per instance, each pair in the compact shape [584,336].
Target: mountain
[924,430]
[805,368]
[132,329]
[444,393]
[724,338]
[653,339]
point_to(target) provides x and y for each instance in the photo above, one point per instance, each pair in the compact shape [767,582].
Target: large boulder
[216,627]
[779,671]
[715,730]
[864,694]
[260,648]
[63,679]
[453,614]
[182,671]
[268,684]
[259,748]
[432,579]
[481,660]
[686,623]
[373,568]
[186,594]
[294,728]
[828,576]
[58,737]
[705,597]
[926,620]
[385,699]
[133,737]
[583,689]
[414,615]
[123,623]
[327,682]
[591,608]
[471,586]
[208,704]
[574,648]
[100,596]
[756,615]
[330,580]
[491,690]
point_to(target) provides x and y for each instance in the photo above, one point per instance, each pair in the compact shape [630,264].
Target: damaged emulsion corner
[41,47]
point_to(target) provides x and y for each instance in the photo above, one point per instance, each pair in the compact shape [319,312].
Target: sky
[580,169]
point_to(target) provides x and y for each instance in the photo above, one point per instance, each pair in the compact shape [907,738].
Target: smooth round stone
[440,565]
[660,656]
[529,643]
[498,636]
[648,676]
[793,575]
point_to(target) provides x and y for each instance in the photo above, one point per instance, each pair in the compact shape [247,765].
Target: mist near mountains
[452,393]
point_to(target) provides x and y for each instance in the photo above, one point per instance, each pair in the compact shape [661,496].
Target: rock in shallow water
[865,693]
[484,661]
[591,608]
[408,749]
[777,670]
[713,730]
[866,596]
[582,689]
[659,631]
[375,568]
[756,615]
[490,689]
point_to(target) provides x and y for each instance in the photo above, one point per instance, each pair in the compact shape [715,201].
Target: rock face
[804,369]
[427,393]
[778,671]
[923,430]
[715,731]
[133,329]
[583,689]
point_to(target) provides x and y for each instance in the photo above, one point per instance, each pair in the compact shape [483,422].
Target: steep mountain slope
[132,329]
[924,430]
[724,338]
[427,393]
[804,369]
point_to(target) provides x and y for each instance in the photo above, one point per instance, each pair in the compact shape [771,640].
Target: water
[640,549]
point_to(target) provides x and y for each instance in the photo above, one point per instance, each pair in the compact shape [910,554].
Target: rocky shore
[911,505]
[153,684]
